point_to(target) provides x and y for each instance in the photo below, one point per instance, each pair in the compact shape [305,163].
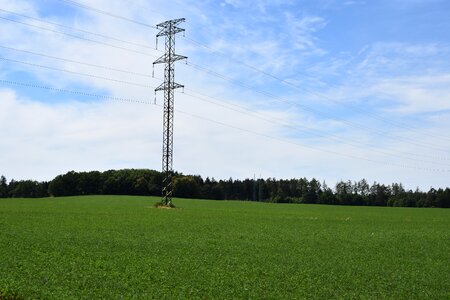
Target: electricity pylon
[168,29]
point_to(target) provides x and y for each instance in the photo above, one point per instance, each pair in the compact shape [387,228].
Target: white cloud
[415,95]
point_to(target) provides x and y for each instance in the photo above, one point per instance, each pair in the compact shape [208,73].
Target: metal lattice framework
[168,29]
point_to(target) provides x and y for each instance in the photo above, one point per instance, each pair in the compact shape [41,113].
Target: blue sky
[326,89]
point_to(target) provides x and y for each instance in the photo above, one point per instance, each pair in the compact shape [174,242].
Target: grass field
[119,247]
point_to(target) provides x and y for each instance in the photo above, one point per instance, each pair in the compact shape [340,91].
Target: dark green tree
[3,187]
[28,189]
[443,198]
[186,187]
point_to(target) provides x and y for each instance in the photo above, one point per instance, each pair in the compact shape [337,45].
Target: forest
[148,182]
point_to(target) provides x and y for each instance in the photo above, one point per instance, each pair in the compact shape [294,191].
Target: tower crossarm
[165,86]
[169,23]
[170,27]
[169,31]
[169,58]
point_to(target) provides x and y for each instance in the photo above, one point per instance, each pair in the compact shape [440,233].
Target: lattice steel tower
[168,29]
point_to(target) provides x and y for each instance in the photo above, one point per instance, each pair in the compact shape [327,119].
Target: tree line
[148,183]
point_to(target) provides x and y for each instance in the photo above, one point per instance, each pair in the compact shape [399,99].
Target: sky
[325,89]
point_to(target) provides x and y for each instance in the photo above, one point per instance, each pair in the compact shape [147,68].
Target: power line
[286,82]
[242,109]
[78,62]
[31,85]
[307,129]
[77,37]
[76,73]
[77,29]
[305,146]
[208,71]
[315,111]
[87,7]
[275,97]
[256,69]
[196,66]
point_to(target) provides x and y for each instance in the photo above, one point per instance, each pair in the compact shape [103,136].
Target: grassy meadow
[121,247]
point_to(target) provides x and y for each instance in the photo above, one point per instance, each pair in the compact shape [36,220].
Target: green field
[120,247]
